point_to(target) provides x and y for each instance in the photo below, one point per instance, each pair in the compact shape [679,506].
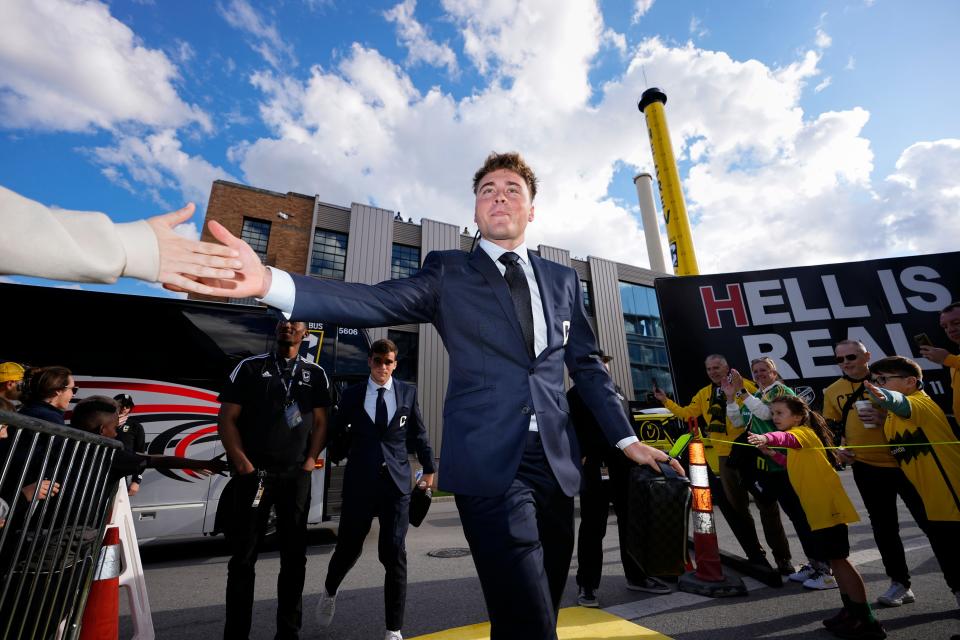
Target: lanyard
[287,386]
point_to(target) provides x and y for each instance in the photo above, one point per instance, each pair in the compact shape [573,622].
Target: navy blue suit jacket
[494,385]
[369,448]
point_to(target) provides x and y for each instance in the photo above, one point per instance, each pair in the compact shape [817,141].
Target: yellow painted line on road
[576,623]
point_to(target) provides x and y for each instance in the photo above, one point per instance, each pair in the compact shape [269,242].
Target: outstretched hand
[183,261]
[249,278]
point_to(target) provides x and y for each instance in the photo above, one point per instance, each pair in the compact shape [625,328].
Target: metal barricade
[51,536]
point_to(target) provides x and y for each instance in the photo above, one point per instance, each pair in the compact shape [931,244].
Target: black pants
[392,509]
[289,494]
[879,488]
[522,543]
[735,507]
[776,486]
[595,499]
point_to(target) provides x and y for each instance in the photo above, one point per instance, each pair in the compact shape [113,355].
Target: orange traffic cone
[708,579]
[101,618]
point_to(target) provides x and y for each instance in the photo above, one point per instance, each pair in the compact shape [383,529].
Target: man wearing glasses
[383,418]
[11,382]
[875,470]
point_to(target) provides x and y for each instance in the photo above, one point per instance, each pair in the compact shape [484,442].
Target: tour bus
[172,356]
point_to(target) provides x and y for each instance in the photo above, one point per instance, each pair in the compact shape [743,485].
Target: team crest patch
[306,376]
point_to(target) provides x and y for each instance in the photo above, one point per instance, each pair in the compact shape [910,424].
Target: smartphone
[922,340]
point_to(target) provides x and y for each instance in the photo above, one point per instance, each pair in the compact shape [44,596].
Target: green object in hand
[679,445]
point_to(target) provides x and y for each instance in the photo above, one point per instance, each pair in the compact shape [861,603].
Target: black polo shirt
[263,386]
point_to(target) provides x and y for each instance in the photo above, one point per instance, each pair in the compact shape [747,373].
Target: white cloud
[413,36]
[71,66]
[616,40]
[277,52]
[823,84]
[822,39]
[156,163]
[640,8]
[696,28]
[851,63]
[766,184]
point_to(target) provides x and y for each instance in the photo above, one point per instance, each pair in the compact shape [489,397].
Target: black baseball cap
[125,400]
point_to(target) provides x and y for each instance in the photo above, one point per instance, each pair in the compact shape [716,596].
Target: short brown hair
[897,365]
[382,347]
[511,161]
[42,383]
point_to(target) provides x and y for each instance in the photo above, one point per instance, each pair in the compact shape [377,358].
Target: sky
[805,132]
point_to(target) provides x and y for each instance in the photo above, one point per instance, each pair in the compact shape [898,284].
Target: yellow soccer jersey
[953,362]
[700,406]
[934,470]
[855,434]
[817,484]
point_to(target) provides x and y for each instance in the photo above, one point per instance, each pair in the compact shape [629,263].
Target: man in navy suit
[510,322]
[383,418]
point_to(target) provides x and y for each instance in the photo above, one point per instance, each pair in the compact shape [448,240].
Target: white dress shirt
[370,399]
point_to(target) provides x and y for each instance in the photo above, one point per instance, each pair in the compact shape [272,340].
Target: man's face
[717,370]
[382,366]
[12,389]
[503,207]
[290,333]
[852,361]
[950,323]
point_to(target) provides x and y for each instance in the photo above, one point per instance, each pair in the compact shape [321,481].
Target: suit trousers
[522,543]
[741,521]
[595,499]
[392,509]
[289,494]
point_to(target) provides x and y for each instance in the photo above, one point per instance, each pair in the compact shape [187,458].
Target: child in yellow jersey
[922,443]
[826,505]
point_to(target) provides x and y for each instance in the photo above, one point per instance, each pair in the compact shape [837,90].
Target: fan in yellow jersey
[916,427]
[879,478]
[710,403]
[950,323]
[826,505]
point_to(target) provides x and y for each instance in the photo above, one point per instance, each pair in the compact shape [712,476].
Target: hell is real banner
[795,316]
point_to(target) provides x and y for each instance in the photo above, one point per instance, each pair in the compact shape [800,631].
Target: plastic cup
[865,406]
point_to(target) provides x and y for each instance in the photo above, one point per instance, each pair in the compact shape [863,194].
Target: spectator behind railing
[100,415]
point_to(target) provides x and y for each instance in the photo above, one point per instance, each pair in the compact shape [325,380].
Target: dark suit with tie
[377,483]
[514,486]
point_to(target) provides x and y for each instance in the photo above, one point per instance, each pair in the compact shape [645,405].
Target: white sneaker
[897,595]
[821,582]
[325,609]
[803,574]
[393,635]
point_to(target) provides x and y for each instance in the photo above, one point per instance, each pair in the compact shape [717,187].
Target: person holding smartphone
[950,323]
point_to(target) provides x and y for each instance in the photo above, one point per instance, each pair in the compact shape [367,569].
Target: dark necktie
[520,293]
[381,415]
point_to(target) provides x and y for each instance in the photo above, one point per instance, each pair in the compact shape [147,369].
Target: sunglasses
[881,378]
[75,390]
[850,357]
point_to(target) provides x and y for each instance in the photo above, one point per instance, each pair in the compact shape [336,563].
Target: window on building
[587,290]
[405,261]
[646,346]
[407,344]
[329,258]
[256,233]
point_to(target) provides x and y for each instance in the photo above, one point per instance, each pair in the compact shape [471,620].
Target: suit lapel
[400,394]
[547,300]
[480,261]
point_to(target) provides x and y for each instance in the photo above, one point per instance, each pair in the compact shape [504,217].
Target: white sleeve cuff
[282,294]
[626,442]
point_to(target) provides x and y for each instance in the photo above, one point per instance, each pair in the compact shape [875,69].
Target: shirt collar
[373,386]
[495,251]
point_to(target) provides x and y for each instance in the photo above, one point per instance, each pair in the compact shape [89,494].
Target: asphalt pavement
[186,583]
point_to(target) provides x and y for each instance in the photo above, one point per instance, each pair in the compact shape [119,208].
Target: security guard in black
[273,425]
